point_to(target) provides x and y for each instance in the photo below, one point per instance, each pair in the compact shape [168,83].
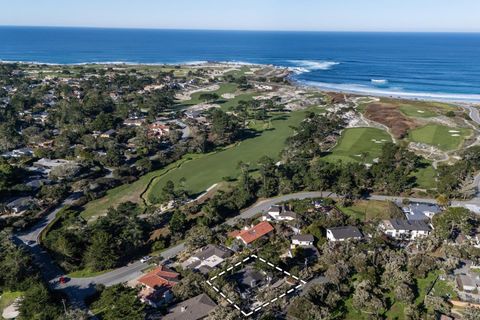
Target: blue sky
[321,15]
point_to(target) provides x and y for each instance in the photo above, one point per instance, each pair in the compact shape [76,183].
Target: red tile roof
[160,277]
[253,233]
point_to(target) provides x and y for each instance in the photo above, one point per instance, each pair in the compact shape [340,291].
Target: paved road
[78,289]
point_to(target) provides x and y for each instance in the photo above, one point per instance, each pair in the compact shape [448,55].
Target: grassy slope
[209,169]
[357,141]
[439,136]
[201,170]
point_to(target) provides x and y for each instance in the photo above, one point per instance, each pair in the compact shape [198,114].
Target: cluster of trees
[104,244]
[18,273]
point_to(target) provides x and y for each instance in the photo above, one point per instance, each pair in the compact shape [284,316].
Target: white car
[145,259]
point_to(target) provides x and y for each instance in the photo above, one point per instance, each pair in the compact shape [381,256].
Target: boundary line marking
[271,265]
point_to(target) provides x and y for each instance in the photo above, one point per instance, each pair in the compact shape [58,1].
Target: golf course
[359,145]
[440,136]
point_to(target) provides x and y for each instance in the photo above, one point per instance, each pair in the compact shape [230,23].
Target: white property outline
[302,282]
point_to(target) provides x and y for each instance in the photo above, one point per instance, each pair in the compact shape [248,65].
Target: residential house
[158,129]
[344,233]
[250,278]
[108,134]
[157,285]
[134,122]
[196,308]
[302,240]
[466,283]
[420,211]
[20,205]
[207,258]
[279,213]
[249,235]
[405,229]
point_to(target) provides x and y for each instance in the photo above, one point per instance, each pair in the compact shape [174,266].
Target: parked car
[145,259]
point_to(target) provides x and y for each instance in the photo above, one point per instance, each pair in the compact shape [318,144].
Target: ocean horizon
[437,66]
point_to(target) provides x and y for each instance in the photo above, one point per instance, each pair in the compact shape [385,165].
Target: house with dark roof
[20,205]
[421,211]
[249,235]
[157,285]
[207,258]
[405,229]
[344,233]
[196,308]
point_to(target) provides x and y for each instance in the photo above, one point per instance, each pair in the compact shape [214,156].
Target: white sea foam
[394,92]
[311,65]
[379,81]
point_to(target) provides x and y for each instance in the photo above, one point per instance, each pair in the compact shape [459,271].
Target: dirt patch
[390,116]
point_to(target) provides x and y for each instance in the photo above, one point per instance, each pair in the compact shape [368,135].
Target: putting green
[440,136]
[359,145]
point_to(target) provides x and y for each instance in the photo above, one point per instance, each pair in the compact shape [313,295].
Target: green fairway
[203,170]
[417,112]
[440,136]
[426,177]
[207,170]
[359,144]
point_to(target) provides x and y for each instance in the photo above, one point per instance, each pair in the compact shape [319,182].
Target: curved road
[77,289]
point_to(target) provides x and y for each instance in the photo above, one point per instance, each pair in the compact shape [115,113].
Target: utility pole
[64,306]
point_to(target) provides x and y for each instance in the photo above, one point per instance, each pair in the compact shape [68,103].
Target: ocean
[440,66]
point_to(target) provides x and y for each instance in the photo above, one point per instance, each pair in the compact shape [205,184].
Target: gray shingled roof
[346,232]
[211,250]
[414,225]
[192,309]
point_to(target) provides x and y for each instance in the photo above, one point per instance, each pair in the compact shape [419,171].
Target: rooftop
[414,225]
[253,233]
[160,277]
[346,232]
[192,309]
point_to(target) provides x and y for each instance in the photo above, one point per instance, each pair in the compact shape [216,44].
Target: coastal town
[229,191]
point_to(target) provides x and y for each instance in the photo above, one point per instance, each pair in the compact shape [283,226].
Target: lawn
[209,169]
[7,298]
[359,144]
[440,136]
[426,177]
[372,210]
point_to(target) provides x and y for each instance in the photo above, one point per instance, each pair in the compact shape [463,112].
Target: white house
[302,240]
[344,233]
[207,258]
[405,229]
[279,213]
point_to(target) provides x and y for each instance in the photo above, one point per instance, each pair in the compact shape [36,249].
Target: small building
[158,129]
[195,308]
[250,278]
[108,134]
[249,235]
[279,213]
[207,258]
[344,233]
[156,286]
[421,211]
[405,229]
[465,283]
[20,205]
[134,122]
[302,240]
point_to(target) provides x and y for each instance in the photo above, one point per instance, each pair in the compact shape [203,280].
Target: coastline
[353,89]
